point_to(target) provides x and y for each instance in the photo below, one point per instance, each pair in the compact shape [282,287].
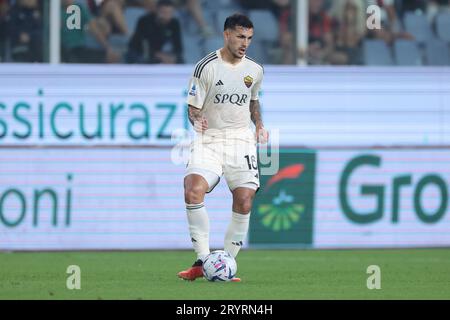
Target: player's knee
[247,206]
[243,204]
[194,194]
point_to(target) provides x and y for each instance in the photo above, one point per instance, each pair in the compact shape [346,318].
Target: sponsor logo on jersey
[219,83]
[238,99]
[193,91]
[248,81]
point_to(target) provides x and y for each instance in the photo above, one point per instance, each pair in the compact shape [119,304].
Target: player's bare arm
[255,113]
[199,123]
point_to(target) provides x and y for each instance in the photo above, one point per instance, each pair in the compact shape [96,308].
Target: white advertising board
[141,105]
[382,198]
[57,199]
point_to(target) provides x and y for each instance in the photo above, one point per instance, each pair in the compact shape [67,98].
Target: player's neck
[228,57]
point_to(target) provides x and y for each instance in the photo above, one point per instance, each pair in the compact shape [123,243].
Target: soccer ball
[219,266]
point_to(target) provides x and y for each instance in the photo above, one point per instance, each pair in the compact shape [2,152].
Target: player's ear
[226,34]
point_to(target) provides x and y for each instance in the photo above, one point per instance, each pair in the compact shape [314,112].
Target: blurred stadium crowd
[414,32]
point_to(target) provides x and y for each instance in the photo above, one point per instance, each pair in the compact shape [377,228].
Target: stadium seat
[377,53]
[92,42]
[407,53]
[132,15]
[192,49]
[418,26]
[215,12]
[443,26]
[258,53]
[266,26]
[220,4]
[437,53]
[220,18]
[212,44]
[185,22]
[119,42]
[189,25]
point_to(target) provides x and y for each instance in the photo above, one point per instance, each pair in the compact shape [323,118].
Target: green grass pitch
[266,274]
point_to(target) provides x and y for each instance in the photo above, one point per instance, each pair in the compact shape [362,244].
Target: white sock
[198,228]
[236,233]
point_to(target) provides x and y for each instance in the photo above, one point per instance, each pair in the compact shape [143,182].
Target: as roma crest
[248,81]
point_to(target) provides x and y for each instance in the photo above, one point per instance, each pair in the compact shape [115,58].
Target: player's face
[28,3]
[165,14]
[238,40]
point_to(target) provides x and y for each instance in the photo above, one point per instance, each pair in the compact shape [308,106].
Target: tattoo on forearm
[255,112]
[194,115]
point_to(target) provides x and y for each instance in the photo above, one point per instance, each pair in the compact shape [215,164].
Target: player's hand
[201,125]
[24,37]
[262,135]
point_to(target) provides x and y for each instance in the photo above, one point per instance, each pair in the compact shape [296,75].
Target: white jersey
[223,92]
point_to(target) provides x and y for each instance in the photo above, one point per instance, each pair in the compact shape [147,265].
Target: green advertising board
[283,210]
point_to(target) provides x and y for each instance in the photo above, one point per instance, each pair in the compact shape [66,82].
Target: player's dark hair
[165,3]
[237,20]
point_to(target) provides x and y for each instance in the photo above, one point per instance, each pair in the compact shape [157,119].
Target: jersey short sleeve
[198,88]
[257,87]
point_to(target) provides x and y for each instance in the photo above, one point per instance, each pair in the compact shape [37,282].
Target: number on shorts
[253,165]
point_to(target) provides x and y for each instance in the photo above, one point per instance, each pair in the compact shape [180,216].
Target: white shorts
[236,159]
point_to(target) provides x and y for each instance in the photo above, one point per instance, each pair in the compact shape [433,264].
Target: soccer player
[223,100]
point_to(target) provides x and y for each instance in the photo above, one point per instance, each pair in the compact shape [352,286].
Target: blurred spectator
[282,9]
[4,7]
[443,5]
[157,38]
[435,7]
[194,8]
[320,40]
[113,12]
[254,4]
[412,5]
[149,5]
[391,27]
[349,25]
[25,31]
[283,12]
[73,41]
